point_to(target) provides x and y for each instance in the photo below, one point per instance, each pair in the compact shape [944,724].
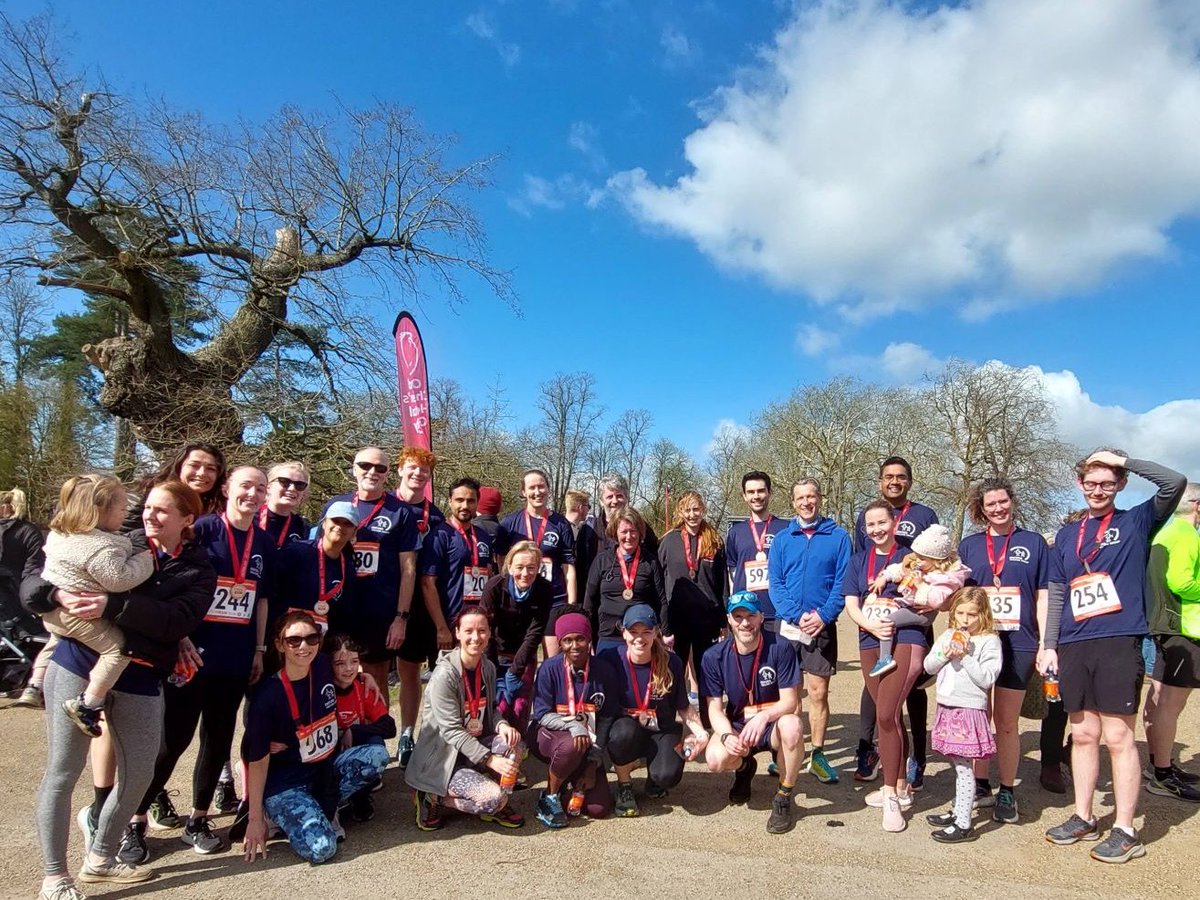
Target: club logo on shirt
[906,529]
[766,676]
[255,569]
[329,696]
[597,699]
[1112,537]
[381,523]
[484,550]
[1019,555]
[550,539]
[768,540]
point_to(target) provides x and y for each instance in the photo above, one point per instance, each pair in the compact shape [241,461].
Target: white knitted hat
[934,542]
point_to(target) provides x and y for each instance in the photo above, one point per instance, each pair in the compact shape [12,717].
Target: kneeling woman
[464,746]
[651,689]
[574,703]
[289,746]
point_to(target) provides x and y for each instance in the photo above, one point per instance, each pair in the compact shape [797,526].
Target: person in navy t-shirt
[287,489]
[748,543]
[318,576]
[895,481]
[751,683]
[1095,622]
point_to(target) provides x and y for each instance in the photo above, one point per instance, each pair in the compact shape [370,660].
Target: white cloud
[584,139]
[726,432]
[482,26]
[543,193]
[899,363]
[678,49]
[881,156]
[814,340]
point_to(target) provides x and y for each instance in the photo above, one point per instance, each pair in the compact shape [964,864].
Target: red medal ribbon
[474,703]
[262,523]
[541,532]
[371,514]
[324,596]
[571,684]
[642,705]
[240,567]
[899,517]
[991,552]
[749,688]
[291,697]
[687,550]
[627,575]
[471,541]
[759,540]
[1099,538]
[871,562]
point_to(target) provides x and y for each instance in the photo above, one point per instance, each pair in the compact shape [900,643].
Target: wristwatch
[402,615]
[260,648]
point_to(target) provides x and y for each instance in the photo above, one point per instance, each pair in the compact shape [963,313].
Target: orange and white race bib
[366,558]
[878,609]
[232,602]
[756,575]
[319,739]
[474,578]
[1092,595]
[1006,608]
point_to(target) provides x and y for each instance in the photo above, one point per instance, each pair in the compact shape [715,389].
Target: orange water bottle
[1050,687]
[575,804]
[509,779]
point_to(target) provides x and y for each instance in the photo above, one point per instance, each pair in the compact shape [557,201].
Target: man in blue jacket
[804,573]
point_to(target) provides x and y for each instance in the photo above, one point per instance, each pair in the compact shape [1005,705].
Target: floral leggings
[474,792]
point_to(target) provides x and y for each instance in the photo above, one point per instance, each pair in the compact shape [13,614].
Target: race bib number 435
[1093,594]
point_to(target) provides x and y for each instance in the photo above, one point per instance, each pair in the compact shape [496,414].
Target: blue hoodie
[805,573]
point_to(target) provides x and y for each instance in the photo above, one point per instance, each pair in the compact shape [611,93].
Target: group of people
[587,641]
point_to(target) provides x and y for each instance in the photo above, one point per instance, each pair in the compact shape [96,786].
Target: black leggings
[1054,729]
[694,641]
[629,742]
[211,701]
[917,704]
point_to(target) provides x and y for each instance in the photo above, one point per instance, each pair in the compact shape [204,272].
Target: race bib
[756,575]
[878,609]
[366,558]
[319,739]
[1006,608]
[474,578]
[584,712]
[546,569]
[648,719]
[232,602]
[794,633]
[1093,594]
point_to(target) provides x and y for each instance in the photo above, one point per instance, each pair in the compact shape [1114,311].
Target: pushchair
[21,639]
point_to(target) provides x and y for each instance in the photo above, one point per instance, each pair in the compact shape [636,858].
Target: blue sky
[709,204]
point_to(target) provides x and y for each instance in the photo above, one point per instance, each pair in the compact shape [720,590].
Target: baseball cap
[640,614]
[341,510]
[743,600]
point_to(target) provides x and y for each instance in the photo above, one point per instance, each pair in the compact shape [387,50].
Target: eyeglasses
[381,468]
[295,641]
[1107,486]
[287,484]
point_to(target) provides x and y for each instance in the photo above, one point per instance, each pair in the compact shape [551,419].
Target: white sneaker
[875,799]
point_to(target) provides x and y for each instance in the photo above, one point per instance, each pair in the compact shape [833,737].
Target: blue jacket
[805,573]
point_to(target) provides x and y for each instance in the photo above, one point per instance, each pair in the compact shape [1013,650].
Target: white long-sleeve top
[95,561]
[965,682]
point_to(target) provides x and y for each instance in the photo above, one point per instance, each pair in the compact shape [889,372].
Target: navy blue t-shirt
[740,548]
[910,522]
[299,569]
[601,690]
[445,555]
[664,706]
[385,530]
[1123,554]
[78,659]
[1025,565]
[424,513]
[725,672]
[283,529]
[229,632]
[857,584]
[269,719]
[557,544]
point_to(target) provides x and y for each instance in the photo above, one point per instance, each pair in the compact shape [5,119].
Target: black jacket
[156,614]
[21,553]
[604,601]
[517,628]
[696,604]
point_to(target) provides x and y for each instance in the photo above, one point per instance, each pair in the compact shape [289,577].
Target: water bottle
[575,804]
[509,780]
[1050,687]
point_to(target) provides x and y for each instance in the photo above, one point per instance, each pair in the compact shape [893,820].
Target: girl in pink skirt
[966,660]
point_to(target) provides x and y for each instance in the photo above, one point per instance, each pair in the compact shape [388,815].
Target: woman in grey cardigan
[464,746]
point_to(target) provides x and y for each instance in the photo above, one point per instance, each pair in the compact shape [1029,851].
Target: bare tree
[273,217]
[23,311]
[725,466]
[671,467]
[630,435]
[570,412]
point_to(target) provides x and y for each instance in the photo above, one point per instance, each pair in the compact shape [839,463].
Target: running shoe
[86,718]
[1118,847]
[783,816]
[654,790]
[64,890]
[404,751]
[1052,779]
[550,812]
[226,799]
[198,835]
[742,779]
[914,774]
[1074,829]
[952,834]
[133,850]
[625,805]
[1006,807]
[885,665]
[87,827]
[984,798]
[1185,777]
[1171,786]
[362,807]
[866,765]
[875,799]
[114,873]
[819,766]
[33,698]
[429,813]
[505,817]
[893,817]
[162,815]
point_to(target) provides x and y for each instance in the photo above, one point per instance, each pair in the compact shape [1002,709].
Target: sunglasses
[295,641]
[287,484]
[381,468]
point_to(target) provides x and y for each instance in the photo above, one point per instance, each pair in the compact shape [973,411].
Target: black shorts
[370,633]
[1102,675]
[1178,661]
[420,639]
[820,657]
[1016,667]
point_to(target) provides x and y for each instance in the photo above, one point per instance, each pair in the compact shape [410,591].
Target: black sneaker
[952,834]
[1006,807]
[1118,847]
[983,797]
[429,815]
[654,790]
[362,807]
[1185,777]
[198,835]
[783,817]
[1074,829]
[162,815]
[226,798]
[1172,786]
[742,778]
[624,803]
[133,850]
[86,718]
